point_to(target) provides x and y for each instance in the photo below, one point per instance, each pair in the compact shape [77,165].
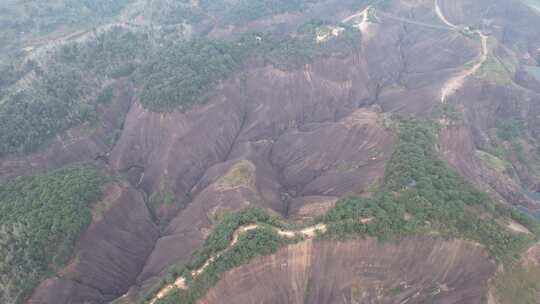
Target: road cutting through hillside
[363,25]
[456,82]
[452,85]
[180,283]
[441,16]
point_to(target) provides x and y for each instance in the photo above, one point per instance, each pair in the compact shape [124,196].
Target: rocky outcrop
[415,270]
[352,154]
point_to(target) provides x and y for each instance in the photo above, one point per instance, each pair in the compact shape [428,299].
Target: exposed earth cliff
[412,270]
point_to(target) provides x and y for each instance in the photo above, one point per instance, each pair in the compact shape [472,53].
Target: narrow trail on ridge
[441,16]
[453,84]
[180,283]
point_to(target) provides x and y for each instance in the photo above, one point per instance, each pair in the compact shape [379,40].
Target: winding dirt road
[441,16]
[452,85]
[457,81]
[180,283]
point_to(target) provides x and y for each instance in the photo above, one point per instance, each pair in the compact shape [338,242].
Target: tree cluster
[41,218]
[62,92]
[420,193]
[255,243]
[180,74]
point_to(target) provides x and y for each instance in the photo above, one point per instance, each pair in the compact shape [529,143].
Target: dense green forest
[219,240]
[62,92]
[41,217]
[181,73]
[23,20]
[259,242]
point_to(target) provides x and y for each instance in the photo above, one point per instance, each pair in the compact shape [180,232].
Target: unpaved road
[308,233]
[441,16]
[457,81]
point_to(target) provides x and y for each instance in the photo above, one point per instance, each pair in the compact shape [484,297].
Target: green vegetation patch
[41,218]
[222,12]
[106,96]
[62,93]
[420,194]
[510,129]
[294,52]
[494,70]
[184,73]
[247,10]
[518,285]
[447,111]
[241,174]
[259,242]
[534,70]
[493,161]
[181,74]
[434,198]
[24,20]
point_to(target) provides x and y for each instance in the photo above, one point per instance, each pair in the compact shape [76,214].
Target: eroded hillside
[193,111]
